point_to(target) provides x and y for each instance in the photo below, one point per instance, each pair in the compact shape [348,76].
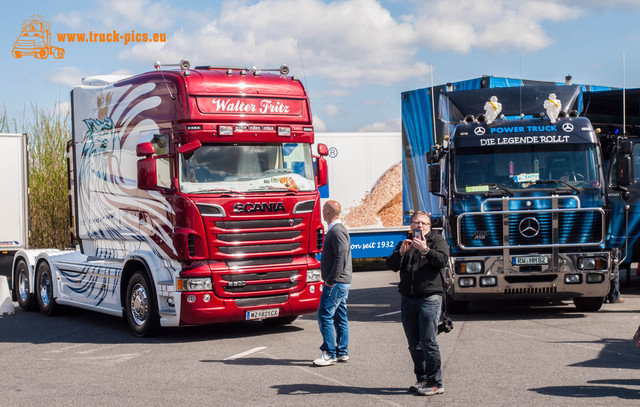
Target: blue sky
[354,56]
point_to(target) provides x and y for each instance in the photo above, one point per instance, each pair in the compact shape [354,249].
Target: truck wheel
[279,320]
[16,54]
[58,52]
[140,306]
[588,304]
[456,307]
[21,287]
[44,289]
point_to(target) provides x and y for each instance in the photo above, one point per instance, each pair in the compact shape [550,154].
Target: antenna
[624,98]
[521,86]
[433,109]
[303,72]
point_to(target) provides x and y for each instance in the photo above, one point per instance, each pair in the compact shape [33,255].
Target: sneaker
[414,387]
[430,390]
[325,360]
[343,359]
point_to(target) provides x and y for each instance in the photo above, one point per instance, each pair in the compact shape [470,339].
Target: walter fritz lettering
[247,106]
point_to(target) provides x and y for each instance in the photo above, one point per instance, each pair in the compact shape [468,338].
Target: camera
[417,234]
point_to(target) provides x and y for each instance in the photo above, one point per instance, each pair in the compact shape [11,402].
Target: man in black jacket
[420,261]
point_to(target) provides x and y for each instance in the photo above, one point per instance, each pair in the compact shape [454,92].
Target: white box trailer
[365,176]
[14,202]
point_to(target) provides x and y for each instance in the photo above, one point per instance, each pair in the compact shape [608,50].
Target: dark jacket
[335,263]
[420,273]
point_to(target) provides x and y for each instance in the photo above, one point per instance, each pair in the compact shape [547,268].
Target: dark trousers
[420,317]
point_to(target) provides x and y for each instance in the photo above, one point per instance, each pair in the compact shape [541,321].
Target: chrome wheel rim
[45,288]
[139,304]
[23,285]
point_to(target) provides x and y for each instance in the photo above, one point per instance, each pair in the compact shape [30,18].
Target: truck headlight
[469,267]
[314,275]
[467,281]
[592,263]
[195,284]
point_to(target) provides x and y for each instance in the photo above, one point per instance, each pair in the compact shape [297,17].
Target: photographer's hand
[406,245]
[420,245]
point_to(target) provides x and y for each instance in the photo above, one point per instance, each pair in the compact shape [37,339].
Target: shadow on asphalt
[591,392]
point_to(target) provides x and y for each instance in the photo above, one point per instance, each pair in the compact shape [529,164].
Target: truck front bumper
[542,277]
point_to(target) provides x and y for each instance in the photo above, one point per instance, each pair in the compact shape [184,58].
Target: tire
[588,304]
[21,287]
[141,308]
[44,289]
[280,320]
[456,307]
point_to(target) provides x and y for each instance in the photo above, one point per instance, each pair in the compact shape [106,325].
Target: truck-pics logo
[35,39]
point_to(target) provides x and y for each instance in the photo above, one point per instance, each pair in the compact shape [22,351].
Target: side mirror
[624,171]
[323,150]
[190,147]
[147,173]
[145,150]
[626,147]
[432,157]
[434,179]
[323,172]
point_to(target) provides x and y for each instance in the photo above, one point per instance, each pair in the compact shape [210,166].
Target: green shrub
[47,134]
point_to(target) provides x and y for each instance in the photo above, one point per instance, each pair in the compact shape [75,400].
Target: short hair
[423,213]
[334,206]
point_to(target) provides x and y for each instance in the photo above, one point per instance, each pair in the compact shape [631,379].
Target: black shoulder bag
[445,324]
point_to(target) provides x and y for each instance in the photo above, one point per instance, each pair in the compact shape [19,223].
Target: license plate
[530,260]
[263,313]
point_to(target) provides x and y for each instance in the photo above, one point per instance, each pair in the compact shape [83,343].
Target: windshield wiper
[502,187]
[556,181]
[216,191]
[281,188]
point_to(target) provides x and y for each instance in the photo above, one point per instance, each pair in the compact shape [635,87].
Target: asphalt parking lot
[499,354]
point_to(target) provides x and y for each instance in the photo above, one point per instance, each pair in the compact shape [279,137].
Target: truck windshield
[518,167]
[215,168]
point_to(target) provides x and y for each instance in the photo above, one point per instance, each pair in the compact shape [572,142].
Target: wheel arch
[131,266]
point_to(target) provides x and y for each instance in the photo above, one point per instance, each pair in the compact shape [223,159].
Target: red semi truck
[194,200]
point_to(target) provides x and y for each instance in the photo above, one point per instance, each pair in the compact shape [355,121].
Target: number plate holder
[262,313]
[530,260]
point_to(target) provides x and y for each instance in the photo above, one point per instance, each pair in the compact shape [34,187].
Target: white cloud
[391,125]
[487,24]
[349,43]
[319,124]
[352,43]
[67,76]
[331,110]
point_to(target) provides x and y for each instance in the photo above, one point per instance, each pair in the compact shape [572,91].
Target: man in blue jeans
[336,269]
[420,259]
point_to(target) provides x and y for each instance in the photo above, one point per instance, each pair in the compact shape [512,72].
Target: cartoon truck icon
[35,39]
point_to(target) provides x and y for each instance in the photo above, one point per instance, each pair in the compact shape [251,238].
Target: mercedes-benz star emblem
[529,227]
[479,131]
[567,127]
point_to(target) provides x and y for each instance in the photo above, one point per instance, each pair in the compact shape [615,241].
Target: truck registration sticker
[263,313]
[529,260]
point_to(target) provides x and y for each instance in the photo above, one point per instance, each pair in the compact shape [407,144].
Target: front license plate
[263,313]
[530,260]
